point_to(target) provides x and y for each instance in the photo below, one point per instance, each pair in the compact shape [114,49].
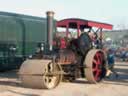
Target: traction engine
[66,57]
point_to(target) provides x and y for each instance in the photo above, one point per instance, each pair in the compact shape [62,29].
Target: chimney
[50,19]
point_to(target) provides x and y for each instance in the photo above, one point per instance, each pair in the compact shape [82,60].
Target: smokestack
[50,18]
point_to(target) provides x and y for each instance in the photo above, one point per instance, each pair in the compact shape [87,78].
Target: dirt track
[10,86]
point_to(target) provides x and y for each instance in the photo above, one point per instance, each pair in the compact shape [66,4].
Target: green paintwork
[12,27]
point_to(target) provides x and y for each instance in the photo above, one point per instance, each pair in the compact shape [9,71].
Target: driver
[94,38]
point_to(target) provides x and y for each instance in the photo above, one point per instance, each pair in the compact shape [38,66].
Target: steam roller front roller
[95,63]
[40,74]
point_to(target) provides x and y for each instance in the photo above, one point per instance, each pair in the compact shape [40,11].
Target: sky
[108,11]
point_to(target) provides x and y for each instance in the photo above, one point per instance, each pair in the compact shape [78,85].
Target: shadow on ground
[81,82]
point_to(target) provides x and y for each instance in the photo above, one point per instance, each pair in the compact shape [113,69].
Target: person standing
[111,63]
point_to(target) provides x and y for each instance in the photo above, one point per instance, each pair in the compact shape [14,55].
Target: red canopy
[81,23]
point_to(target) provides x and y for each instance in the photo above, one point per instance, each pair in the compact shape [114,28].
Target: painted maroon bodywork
[81,23]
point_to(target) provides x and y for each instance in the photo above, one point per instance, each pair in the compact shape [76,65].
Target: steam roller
[65,58]
[47,74]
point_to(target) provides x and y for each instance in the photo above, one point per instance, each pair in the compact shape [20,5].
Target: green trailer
[19,36]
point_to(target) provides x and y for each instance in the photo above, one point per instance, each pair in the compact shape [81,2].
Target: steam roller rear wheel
[40,74]
[95,65]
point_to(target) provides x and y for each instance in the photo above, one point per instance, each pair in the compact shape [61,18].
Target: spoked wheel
[52,77]
[95,65]
[40,74]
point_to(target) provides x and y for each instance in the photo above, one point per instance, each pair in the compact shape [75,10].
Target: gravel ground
[10,86]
